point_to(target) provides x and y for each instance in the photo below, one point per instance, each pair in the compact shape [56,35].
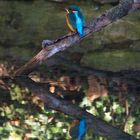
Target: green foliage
[25,118]
[110,110]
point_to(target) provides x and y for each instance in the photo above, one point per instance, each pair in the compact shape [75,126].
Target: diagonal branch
[125,7]
[98,126]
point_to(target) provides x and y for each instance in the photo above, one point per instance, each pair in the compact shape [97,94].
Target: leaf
[97,87]
[136,128]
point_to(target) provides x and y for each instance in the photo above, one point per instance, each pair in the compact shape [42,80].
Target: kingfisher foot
[70,33]
[46,43]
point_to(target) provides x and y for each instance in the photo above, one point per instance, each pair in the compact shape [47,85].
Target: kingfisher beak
[67,10]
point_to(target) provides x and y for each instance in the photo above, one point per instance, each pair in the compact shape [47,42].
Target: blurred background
[24,24]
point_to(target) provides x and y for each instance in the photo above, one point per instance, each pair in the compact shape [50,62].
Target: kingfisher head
[72,9]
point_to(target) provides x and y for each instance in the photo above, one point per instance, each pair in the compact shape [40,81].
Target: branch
[98,126]
[131,110]
[125,7]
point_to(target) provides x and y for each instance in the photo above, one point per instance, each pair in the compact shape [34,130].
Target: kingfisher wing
[72,20]
[81,17]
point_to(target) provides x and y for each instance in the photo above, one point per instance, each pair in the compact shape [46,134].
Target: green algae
[113,60]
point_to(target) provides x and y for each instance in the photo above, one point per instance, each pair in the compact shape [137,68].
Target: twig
[131,110]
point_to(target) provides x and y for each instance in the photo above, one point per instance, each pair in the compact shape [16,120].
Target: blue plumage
[82,129]
[79,24]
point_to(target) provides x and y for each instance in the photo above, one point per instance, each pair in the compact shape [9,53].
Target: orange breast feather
[69,25]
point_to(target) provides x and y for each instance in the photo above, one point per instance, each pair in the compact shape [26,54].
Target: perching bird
[75,19]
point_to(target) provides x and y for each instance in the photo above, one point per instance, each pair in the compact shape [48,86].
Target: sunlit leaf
[108,116]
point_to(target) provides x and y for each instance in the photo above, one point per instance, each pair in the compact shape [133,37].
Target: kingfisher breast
[71,22]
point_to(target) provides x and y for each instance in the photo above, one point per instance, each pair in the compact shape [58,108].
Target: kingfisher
[75,19]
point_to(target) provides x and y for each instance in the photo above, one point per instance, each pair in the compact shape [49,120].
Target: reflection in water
[97,87]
